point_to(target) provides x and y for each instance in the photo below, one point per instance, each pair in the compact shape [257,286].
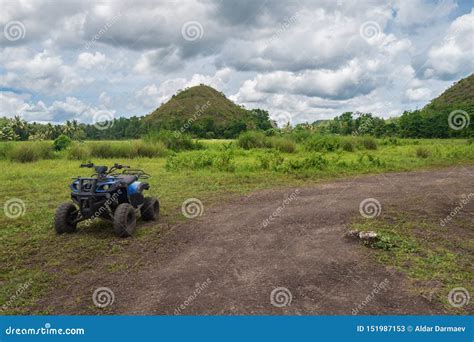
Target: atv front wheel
[64,218]
[150,209]
[125,220]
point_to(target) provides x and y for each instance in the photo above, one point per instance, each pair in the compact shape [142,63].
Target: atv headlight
[106,187]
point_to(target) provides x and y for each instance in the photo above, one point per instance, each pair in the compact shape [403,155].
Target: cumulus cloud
[454,56]
[88,60]
[304,59]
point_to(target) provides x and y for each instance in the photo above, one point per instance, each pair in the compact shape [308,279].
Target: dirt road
[230,259]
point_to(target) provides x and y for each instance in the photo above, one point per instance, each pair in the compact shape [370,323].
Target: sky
[300,60]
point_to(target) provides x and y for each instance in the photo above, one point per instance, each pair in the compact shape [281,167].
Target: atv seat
[127,179]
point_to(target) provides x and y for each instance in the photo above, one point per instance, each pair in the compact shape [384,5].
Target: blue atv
[110,195]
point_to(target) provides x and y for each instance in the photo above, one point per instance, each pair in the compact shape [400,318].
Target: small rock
[353,234]
[368,236]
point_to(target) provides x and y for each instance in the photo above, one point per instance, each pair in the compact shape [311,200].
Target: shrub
[316,161]
[175,141]
[30,152]
[322,143]
[368,143]
[252,139]
[270,160]
[423,152]
[78,151]
[62,142]
[347,145]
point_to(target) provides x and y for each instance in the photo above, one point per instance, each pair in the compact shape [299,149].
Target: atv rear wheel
[125,220]
[64,218]
[150,209]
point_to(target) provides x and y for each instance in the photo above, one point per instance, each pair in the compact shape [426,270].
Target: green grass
[31,251]
[434,259]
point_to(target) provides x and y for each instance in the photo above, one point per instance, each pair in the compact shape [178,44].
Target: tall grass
[254,139]
[27,152]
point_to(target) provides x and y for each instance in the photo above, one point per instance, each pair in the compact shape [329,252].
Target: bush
[322,143]
[175,141]
[78,151]
[26,152]
[271,160]
[347,145]
[423,152]
[368,143]
[252,139]
[62,142]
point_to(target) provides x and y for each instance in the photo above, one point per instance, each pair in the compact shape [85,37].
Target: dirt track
[237,260]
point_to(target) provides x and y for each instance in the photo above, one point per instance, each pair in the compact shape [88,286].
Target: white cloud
[88,60]
[454,56]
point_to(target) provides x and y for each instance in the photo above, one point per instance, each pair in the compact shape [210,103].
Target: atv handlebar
[89,165]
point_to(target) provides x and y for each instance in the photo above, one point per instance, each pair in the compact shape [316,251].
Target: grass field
[31,253]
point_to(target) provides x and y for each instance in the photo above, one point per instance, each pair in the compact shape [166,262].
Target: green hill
[460,94]
[451,114]
[205,112]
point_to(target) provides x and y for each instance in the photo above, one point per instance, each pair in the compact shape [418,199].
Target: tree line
[446,122]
